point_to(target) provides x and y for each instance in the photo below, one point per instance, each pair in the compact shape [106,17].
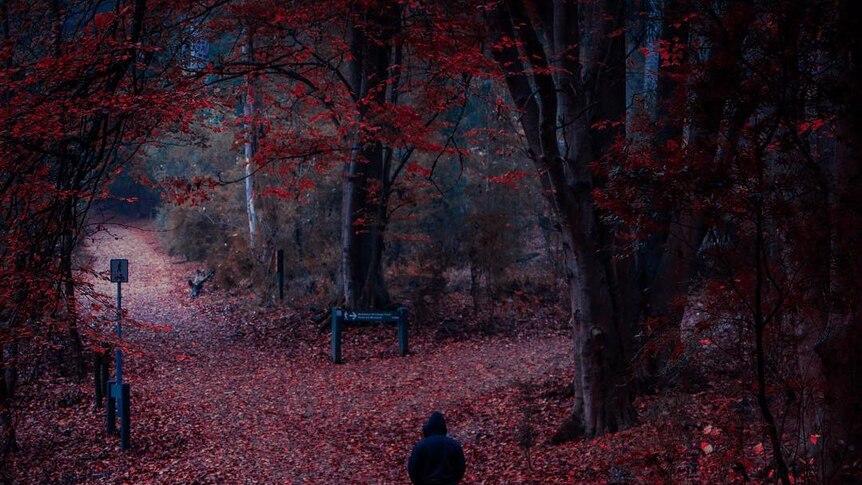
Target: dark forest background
[653,176]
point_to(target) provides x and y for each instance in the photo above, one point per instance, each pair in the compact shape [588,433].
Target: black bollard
[125,419]
[336,336]
[111,411]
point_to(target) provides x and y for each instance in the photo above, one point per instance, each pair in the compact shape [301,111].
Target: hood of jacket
[435,426]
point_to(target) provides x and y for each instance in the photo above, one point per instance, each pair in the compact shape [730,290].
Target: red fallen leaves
[210,406]
[215,402]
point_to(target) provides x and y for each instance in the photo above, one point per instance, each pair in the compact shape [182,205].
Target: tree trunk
[69,241]
[839,343]
[668,261]
[250,145]
[366,185]
[668,264]
[653,31]
[77,347]
[601,301]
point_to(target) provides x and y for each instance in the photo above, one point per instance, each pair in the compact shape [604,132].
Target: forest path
[210,406]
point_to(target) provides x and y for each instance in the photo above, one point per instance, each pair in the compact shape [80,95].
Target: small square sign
[119,270]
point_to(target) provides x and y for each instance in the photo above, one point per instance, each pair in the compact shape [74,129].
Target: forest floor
[214,401]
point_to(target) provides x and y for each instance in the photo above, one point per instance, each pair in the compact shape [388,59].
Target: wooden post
[280,274]
[336,336]
[403,348]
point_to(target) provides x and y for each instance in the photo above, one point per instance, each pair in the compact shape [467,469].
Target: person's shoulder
[426,441]
[452,441]
[436,440]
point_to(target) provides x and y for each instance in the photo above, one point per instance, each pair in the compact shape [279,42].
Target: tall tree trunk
[366,184]
[667,259]
[69,241]
[839,343]
[77,347]
[654,30]
[602,310]
[250,145]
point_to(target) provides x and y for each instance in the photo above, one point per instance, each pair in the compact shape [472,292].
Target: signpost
[119,393]
[340,317]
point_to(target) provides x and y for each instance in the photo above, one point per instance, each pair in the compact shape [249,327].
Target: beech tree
[374,78]
[572,110]
[567,82]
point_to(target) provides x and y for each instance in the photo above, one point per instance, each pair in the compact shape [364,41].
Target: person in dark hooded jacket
[436,459]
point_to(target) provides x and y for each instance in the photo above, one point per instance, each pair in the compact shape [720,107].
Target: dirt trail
[209,407]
